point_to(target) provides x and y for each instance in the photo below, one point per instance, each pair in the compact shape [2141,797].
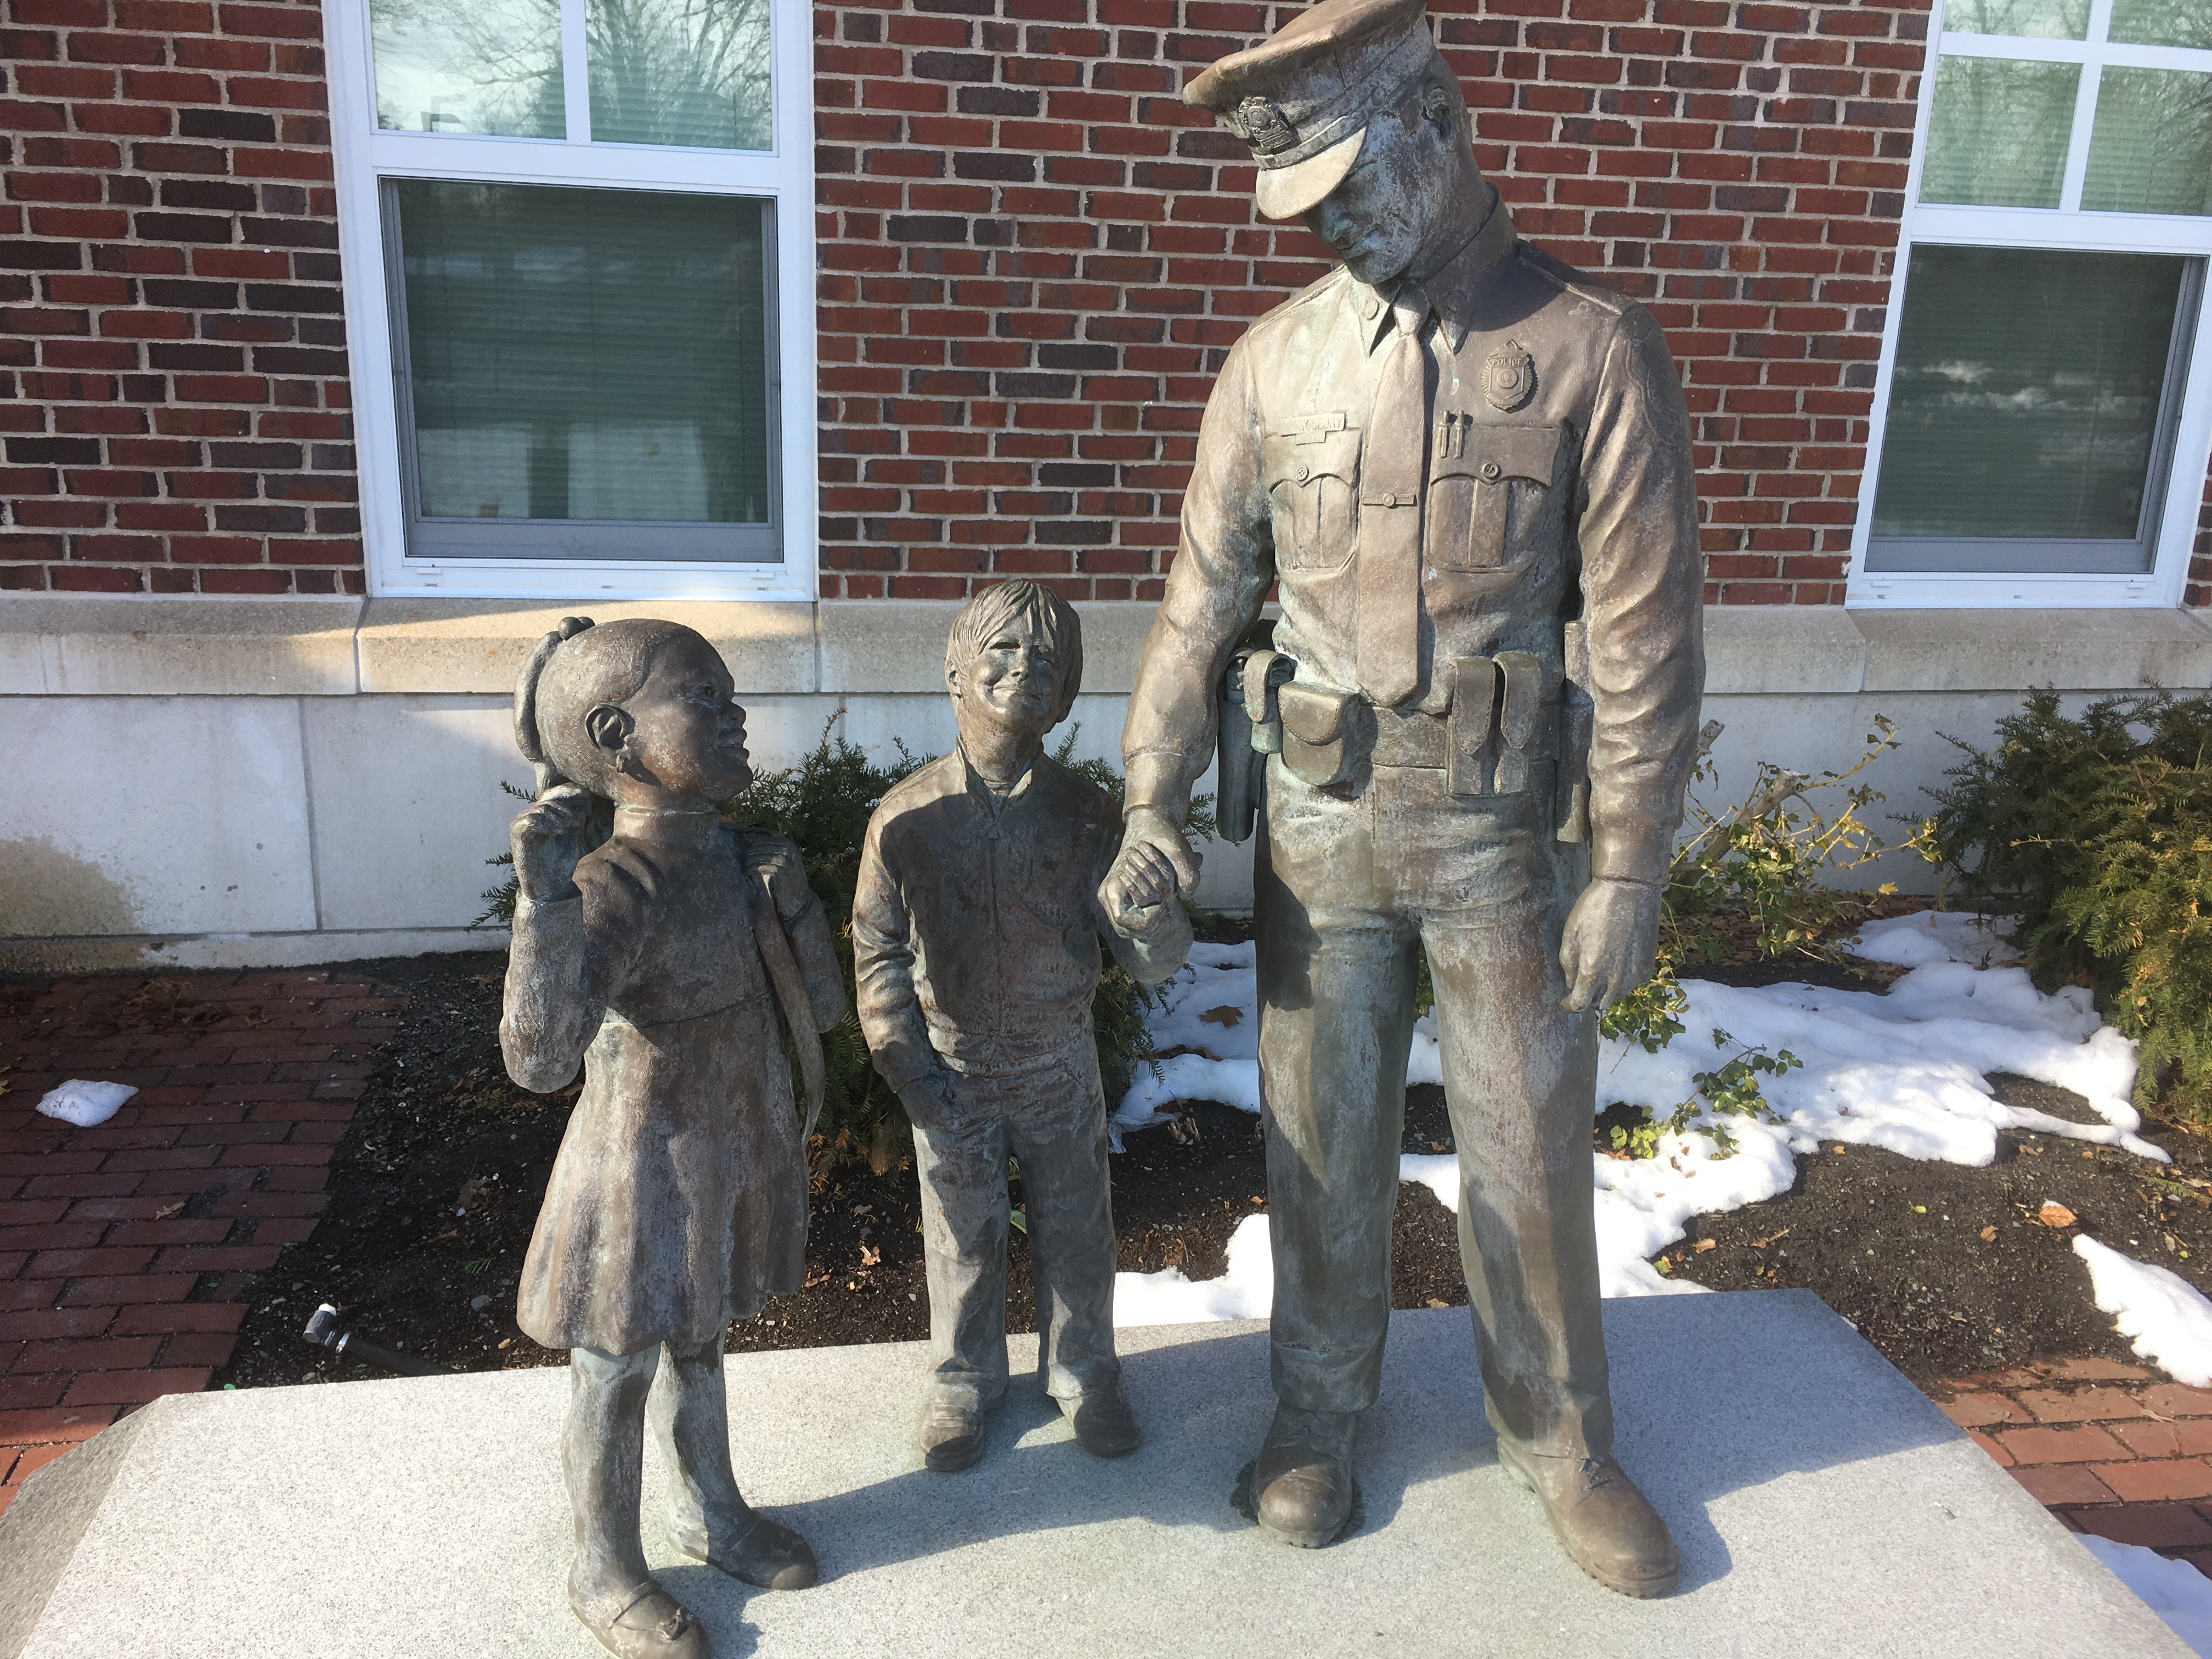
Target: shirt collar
[668,826]
[1454,288]
[990,797]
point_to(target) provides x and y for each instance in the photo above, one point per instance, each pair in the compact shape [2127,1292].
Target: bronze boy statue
[975,934]
[670,961]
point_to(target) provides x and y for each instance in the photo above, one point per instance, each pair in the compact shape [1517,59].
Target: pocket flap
[1301,457]
[1494,452]
[1312,713]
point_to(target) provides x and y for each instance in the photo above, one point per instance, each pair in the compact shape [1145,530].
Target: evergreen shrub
[2098,831]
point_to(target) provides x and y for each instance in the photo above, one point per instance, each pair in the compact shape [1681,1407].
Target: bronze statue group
[1462,470]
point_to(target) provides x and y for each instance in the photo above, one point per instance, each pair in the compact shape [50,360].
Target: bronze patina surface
[1465,468]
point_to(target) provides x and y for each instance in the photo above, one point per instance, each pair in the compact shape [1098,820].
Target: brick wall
[1034,257]
[172,373]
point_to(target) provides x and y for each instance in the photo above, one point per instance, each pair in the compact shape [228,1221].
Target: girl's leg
[601,1459]
[707,1519]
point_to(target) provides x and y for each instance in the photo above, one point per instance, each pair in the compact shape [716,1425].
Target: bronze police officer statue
[1467,467]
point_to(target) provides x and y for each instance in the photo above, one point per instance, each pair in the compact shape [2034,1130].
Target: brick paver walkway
[123,1249]
[2108,1448]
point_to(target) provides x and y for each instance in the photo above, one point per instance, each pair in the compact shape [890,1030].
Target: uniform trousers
[1052,1120]
[1347,891]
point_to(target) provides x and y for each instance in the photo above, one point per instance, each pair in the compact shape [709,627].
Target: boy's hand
[1147,827]
[928,1099]
[1135,890]
[547,837]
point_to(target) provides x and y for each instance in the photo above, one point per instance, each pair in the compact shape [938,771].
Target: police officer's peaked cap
[1302,98]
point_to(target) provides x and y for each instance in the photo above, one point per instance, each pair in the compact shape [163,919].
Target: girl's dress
[678,1200]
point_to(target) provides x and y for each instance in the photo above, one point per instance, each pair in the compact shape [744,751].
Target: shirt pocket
[1313,483]
[1483,478]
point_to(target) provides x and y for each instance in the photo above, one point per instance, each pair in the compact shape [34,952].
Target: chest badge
[1508,376]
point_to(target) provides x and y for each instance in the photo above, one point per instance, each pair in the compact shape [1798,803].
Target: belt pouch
[1523,722]
[1314,747]
[1578,722]
[1472,725]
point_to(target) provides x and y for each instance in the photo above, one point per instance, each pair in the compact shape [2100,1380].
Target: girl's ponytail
[527,737]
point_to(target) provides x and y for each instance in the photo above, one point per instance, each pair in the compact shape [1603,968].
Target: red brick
[106,1354]
[51,1424]
[2084,1444]
[145,1287]
[2092,1371]
[2177,1400]
[2181,1437]
[2156,1526]
[2162,1481]
[2063,1483]
[134,1387]
[164,1317]
[1974,1410]
[2078,1405]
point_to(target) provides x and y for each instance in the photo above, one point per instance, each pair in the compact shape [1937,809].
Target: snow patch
[1246,1290]
[2174,1591]
[1902,1069]
[88,1105]
[2167,1318]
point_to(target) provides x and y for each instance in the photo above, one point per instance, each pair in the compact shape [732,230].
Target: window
[2044,407]
[573,368]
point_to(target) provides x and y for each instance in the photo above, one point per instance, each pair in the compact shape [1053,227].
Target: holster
[1251,730]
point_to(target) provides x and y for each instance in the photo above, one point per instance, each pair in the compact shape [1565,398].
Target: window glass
[688,72]
[2027,398]
[1997,135]
[2162,22]
[2151,149]
[2048,20]
[488,66]
[586,354]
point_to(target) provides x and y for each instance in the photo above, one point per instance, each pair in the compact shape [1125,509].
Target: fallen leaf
[1704,1244]
[1920,1209]
[1434,1302]
[168,1210]
[1772,1238]
[2055,1214]
[1663,1265]
[870,1255]
[1989,1235]
[1226,1015]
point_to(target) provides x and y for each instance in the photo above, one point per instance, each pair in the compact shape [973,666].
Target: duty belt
[1513,727]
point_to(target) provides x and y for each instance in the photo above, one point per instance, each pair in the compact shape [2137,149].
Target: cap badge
[1261,125]
[1508,376]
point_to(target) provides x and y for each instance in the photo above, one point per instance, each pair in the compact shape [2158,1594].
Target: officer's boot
[1608,1529]
[1300,1488]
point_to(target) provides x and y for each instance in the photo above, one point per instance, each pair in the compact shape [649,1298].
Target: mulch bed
[435,1187]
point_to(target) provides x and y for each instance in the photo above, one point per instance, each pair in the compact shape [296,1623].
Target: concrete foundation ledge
[159,952]
[54,645]
[1821,1502]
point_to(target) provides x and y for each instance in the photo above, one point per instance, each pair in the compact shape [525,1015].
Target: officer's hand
[546,838]
[1135,889]
[1148,827]
[1611,939]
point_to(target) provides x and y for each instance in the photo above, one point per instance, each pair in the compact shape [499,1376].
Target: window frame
[2064,227]
[364,155]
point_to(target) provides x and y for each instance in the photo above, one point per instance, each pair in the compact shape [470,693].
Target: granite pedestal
[1822,1505]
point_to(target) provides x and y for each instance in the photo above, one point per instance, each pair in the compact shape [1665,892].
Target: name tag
[1312,428]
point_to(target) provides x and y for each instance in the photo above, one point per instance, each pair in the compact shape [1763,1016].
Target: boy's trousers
[1052,1119]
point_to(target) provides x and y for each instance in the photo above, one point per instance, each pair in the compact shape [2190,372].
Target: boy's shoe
[1609,1527]
[1104,1425]
[762,1552]
[655,1625]
[952,1433]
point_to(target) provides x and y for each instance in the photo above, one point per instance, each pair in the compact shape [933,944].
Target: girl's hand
[776,861]
[547,837]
